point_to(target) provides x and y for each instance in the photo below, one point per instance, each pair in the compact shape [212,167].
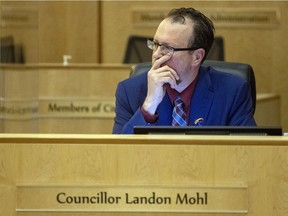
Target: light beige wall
[56,28]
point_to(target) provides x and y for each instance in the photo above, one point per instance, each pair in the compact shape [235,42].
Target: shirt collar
[185,95]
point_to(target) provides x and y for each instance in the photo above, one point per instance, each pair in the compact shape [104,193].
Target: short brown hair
[203,27]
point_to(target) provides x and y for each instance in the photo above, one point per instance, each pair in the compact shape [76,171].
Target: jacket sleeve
[126,117]
[242,108]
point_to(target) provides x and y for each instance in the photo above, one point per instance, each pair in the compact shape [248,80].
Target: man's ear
[198,56]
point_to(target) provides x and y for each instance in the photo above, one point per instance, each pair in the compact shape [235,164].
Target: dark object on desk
[209,130]
[137,50]
[240,69]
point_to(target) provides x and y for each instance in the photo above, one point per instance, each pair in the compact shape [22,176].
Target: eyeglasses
[165,49]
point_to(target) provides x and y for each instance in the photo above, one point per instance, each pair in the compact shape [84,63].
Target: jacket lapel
[202,98]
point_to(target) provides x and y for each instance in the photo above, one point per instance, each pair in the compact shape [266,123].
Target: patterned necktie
[178,114]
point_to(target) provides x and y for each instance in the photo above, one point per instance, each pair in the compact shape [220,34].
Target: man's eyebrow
[165,44]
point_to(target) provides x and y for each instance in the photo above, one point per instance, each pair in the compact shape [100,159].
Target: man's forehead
[166,26]
[167,23]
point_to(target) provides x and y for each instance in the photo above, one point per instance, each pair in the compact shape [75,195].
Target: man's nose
[157,53]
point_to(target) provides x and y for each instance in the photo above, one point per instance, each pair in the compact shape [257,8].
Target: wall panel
[50,29]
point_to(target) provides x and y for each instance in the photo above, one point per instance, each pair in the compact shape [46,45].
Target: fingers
[165,75]
[157,63]
[162,73]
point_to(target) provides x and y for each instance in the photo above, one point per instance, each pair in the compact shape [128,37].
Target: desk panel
[259,164]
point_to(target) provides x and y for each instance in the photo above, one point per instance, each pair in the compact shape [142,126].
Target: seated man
[208,97]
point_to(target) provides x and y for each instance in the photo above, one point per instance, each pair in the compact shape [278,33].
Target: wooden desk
[52,98]
[54,162]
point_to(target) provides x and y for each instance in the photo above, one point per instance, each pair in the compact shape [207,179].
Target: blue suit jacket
[221,99]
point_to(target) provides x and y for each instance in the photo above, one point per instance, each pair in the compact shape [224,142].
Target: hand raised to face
[159,76]
[160,73]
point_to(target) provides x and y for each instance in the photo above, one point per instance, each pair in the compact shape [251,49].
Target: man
[180,45]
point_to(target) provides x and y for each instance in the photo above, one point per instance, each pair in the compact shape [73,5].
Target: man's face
[178,36]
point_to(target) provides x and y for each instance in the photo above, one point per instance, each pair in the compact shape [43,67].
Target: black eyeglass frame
[149,42]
